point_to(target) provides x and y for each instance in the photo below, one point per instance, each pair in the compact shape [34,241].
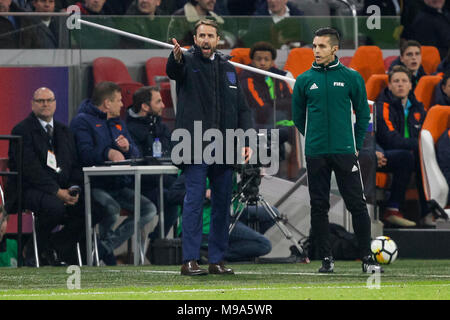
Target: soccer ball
[384,250]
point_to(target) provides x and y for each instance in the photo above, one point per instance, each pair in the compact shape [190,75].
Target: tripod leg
[281,225]
[237,215]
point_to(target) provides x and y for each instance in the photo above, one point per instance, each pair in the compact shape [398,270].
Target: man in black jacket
[17,32]
[442,91]
[430,26]
[50,168]
[209,94]
[399,120]
[145,124]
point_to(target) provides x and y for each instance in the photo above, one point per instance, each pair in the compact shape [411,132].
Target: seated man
[48,28]
[147,24]
[442,91]
[50,168]
[269,99]
[17,32]
[244,243]
[411,58]
[443,157]
[102,136]
[144,123]
[277,22]
[399,120]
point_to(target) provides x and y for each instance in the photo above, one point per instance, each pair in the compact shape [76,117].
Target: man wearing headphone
[324,97]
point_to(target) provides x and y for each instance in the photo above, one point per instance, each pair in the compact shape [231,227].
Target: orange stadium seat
[368,60]
[430,59]
[112,69]
[425,90]
[299,60]
[375,84]
[388,61]
[435,186]
[240,55]
[345,61]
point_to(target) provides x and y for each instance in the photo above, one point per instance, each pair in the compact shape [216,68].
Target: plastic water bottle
[157,148]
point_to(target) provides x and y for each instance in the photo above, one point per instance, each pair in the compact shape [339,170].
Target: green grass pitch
[403,280]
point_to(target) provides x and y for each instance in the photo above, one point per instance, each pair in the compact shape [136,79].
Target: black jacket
[430,28]
[439,96]
[391,122]
[36,173]
[144,130]
[21,36]
[208,91]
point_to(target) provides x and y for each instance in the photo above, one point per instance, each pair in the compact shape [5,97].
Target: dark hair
[445,78]
[409,43]
[332,33]
[104,90]
[263,46]
[397,69]
[207,22]
[142,95]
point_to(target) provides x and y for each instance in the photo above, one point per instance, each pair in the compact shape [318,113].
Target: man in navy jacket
[102,136]
[208,93]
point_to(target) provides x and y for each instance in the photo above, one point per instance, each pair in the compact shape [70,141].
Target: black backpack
[344,245]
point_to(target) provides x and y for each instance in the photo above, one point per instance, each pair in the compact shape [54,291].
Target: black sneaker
[369,265]
[327,265]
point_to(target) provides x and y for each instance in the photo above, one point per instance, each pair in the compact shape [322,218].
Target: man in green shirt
[323,100]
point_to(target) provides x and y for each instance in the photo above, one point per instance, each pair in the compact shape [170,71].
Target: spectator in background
[411,58]
[242,8]
[48,29]
[102,136]
[17,32]
[92,7]
[144,7]
[145,25]
[444,66]
[399,120]
[277,30]
[442,91]
[431,26]
[193,11]
[269,98]
[145,124]
[50,168]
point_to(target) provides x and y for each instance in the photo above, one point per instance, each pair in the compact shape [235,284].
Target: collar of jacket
[193,16]
[150,119]
[387,96]
[195,49]
[331,66]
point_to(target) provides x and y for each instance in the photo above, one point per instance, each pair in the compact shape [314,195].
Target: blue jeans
[220,177]
[246,243]
[111,202]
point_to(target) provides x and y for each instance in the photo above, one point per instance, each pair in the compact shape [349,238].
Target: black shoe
[327,265]
[107,257]
[369,265]
[51,258]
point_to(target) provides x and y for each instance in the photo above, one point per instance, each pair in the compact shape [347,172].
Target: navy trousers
[220,177]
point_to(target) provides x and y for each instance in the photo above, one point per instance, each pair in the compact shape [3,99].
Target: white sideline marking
[53,294]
